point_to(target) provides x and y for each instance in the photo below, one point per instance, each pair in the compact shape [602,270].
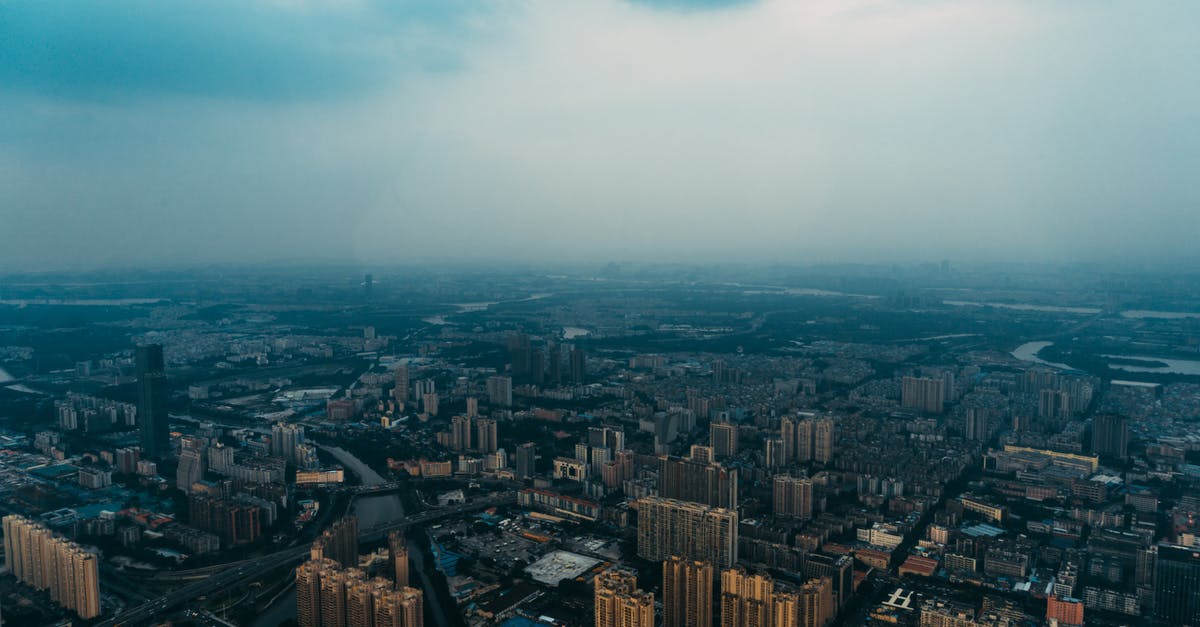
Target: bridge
[242,572]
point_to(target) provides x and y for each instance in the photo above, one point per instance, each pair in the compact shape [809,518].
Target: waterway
[1029,352]
[570,333]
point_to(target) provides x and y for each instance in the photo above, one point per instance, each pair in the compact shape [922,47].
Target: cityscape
[599,313]
[638,445]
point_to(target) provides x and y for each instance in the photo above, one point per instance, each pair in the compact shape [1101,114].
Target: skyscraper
[667,527]
[152,401]
[793,497]
[398,557]
[37,557]
[619,602]
[975,424]
[328,595]
[723,438]
[460,433]
[400,392]
[486,440]
[526,460]
[578,365]
[499,389]
[1110,436]
[339,542]
[922,394]
[699,482]
[816,606]
[1177,585]
[806,438]
[746,599]
[687,593]
[823,440]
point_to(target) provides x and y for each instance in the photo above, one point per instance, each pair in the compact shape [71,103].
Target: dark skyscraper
[152,401]
[578,365]
[1177,585]
[1110,436]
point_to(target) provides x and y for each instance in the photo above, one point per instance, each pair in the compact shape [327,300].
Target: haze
[142,132]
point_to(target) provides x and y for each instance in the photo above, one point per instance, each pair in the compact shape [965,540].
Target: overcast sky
[142,131]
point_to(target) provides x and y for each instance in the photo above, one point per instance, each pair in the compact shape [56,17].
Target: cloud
[594,129]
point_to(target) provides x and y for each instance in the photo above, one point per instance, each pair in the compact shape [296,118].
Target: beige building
[619,602]
[40,559]
[687,592]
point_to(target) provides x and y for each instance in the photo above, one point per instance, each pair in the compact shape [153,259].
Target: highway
[251,569]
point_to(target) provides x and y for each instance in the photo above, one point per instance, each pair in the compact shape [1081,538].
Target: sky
[139,132]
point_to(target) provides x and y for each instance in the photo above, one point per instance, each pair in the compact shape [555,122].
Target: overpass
[248,570]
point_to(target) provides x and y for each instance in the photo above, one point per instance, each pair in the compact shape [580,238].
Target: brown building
[687,593]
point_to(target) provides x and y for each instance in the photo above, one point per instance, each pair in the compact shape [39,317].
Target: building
[839,569]
[526,460]
[570,469]
[922,394]
[460,433]
[816,606]
[578,359]
[806,438]
[746,600]
[398,558]
[941,613]
[339,543]
[687,592]
[429,403]
[499,391]
[400,391]
[723,438]
[285,438]
[1054,405]
[486,440]
[793,497]
[667,527]
[1064,611]
[42,560]
[190,469]
[975,425]
[234,522]
[329,595]
[708,483]
[619,602]
[1177,585]
[1110,436]
[153,395]
[558,504]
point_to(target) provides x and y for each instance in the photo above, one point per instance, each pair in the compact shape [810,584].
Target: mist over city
[599,313]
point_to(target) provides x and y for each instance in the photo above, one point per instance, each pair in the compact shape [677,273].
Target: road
[253,569]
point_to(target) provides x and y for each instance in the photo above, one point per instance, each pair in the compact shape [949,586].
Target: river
[1029,352]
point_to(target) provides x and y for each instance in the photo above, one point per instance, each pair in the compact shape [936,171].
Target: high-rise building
[284,440]
[806,438]
[612,438]
[486,440]
[190,468]
[793,497]
[723,438]
[687,591]
[620,603]
[816,607]
[429,403]
[578,365]
[1064,611]
[823,440]
[1110,436]
[460,433]
[923,394]
[699,482]
[526,460]
[553,364]
[39,558]
[339,542]
[472,407]
[152,401]
[398,558]
[975,424]
[667,527]
[1177,585]
[839,569]
[499,390]
[747,600]
[773,453]
[400,392]
[1054,405]
[328,595]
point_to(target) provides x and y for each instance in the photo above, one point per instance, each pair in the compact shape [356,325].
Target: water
[1166,315]
[1173,366]
[5,377]
[1029,352]
[1024,307]
[570,333]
